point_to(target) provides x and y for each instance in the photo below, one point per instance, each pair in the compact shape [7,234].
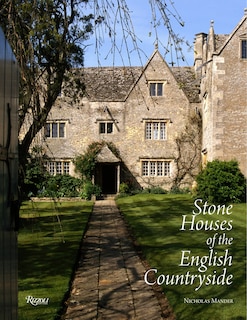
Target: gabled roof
[114,83]
[220,39]
[106,156]
[226,38]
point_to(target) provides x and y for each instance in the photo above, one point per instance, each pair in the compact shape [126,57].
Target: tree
[47,37]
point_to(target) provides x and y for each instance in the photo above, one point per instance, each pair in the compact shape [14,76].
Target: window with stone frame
[106,127]
[156,168]
[55,129]
[243,49]
[155,130]
[156,89]
[58,167]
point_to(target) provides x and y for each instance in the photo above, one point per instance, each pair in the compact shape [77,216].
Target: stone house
[152,116]
[139,110]
[221,64]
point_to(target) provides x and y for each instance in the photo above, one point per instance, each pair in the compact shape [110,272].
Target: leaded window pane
[159,168]
[109,127]
[152,168]
[59,167]
[66,168]
[159,89]
[145,168]
[162,131]
[152,89]
[102,127]
[166,168]
[54,130]
[149,130]
[244,49]
[155,130]
[61,129]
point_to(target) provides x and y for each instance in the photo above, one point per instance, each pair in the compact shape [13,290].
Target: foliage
[38,182]
[85,164]
[221,182]
[60,186]
[89,189]
[155,190]
[176,190]
[124,188]
[35,172]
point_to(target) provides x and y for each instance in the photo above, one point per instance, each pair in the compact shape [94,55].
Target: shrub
[61,186]
[90,189]
[177,190]
[35,172]
[157,190]
[221,182]
[124,187]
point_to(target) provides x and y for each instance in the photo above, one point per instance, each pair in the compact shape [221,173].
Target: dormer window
[156,89]
[244,49]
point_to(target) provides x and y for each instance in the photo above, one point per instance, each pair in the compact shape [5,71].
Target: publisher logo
[37,301]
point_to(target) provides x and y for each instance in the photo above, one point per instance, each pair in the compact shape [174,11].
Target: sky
[196,15]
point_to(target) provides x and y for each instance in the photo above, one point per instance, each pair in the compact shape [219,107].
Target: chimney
[198,52]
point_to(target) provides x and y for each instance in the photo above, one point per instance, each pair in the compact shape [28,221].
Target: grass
[155,221]
[48,243]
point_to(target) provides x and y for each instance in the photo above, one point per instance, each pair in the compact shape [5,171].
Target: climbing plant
[85,164]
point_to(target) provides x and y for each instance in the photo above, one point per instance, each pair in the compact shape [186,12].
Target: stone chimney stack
[199,48]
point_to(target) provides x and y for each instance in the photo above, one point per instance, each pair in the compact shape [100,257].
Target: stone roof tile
[114,83]
[220,40]
[187,81]
[108,83]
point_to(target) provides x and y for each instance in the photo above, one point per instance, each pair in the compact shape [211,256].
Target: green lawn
[48,243]
[156,221]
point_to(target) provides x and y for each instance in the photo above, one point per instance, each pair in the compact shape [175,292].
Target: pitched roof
[188,82]
[106,155]
[220,39]
[114,83]
[226,38]
[109,83]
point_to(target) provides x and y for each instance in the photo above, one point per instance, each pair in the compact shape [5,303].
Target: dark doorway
[109,178]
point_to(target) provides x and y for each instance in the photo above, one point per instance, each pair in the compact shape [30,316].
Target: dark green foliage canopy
[221,182]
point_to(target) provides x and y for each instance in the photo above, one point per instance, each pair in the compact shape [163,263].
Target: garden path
[109,281]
